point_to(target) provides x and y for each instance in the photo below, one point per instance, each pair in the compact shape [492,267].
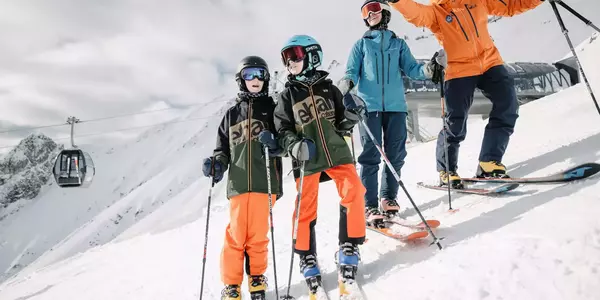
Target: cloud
[94,59]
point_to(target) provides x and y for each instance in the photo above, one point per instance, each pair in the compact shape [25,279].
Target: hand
[394,1]
[345,86]
[213,167]
[441,58]
[268,139]
[344,127]
[433,69]
[303,150]
[355,108]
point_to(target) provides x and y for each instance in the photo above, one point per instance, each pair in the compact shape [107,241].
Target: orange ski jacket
[461,28]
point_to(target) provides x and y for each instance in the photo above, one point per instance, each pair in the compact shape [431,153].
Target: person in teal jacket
[375,65]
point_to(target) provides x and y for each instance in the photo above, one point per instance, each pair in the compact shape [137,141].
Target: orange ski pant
[352,227]
[246,237]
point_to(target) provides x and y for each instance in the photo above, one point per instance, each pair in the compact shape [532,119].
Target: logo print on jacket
[304,112]
[238,133]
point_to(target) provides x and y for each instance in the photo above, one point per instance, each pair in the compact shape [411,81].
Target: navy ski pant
[496,85]
[392,125]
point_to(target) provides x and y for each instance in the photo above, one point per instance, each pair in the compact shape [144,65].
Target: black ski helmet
[386,14]
[248,62]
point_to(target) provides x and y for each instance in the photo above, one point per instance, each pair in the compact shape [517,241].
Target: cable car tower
[73,167]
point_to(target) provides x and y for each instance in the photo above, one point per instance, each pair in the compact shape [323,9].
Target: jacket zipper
[275,167]
[382,77]
[249,145]
[389,63]
[320,127]
[377,69]
[461,27]
[474,25]
[475,45]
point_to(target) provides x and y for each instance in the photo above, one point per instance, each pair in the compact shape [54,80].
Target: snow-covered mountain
[26,168]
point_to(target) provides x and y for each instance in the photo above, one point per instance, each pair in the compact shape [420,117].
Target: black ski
[576,173]
[492,190]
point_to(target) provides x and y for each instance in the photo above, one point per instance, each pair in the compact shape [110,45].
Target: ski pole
[295,235]
[268,163]
[444,130]
[436,240]
[566,34]
[352,142]
[206,233]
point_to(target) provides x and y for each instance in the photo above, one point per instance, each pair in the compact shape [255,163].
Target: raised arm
[509,8]
[418,14]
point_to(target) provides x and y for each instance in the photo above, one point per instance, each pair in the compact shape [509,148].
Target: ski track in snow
[538,242]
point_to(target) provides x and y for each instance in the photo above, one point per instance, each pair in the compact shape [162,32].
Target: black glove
[303,150]
[268,139]
[345,127]
[213,167]
[355,108]
[434,68]
[394,1]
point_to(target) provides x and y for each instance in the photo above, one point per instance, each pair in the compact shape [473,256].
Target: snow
[138,231]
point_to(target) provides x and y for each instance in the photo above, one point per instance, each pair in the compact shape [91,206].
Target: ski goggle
[294,53]
[373,7]
[254,72]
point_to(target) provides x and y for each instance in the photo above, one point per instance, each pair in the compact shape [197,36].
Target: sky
[99,59]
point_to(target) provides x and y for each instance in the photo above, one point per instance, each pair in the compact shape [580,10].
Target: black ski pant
[496,85]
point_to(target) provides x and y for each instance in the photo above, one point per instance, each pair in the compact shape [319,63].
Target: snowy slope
[539,242]
[132,180]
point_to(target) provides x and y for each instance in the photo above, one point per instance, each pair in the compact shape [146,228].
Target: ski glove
[211,164]
[435,67]
[394,1]
[268,139]
[355,108]
[345,86]
[303,150]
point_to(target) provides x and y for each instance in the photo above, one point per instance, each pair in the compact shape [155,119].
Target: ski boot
[347,259]
[455,181]
[310,270]
[257,286]
[390,207]
[374,218]
[491,169]
[231,292]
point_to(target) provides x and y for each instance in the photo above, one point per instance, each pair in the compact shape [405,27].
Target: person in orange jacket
[470,60]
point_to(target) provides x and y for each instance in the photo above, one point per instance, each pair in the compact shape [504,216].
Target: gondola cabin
[73,168]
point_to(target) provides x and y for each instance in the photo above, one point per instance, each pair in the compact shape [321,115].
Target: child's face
[374,18]
[254,85]
[295,68]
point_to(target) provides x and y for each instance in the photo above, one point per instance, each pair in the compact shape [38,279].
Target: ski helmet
[251,67]
[376,6]
[303,47]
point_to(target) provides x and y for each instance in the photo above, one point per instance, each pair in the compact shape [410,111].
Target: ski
[494,190]
[316,290]
[420,234]
[349,290]
[576,173]
[419,226]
